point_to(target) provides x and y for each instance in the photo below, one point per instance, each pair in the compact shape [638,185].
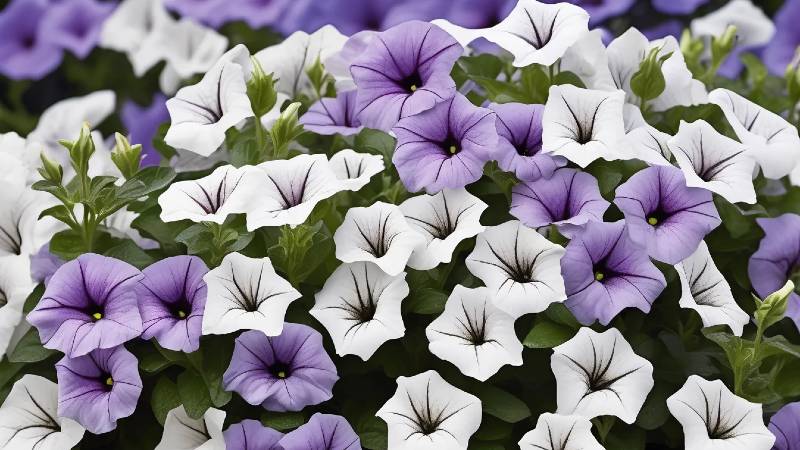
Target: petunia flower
[444,147]
[359,305]
[354,170]
[713,418]
[379,234]
[25,53]
[568,199]
[428,413]
[598,374]
[172,298]
[645,142]
[208,199]
[75,25]
[326,431]
[99,388]
[256,13]
[770,139]
[249,434]
[519,147]
[560,432]
[583,125]
[15,286]
[519,266]
[44,264]
[246,294]
[21,231]
[282,373]
[605,271]
[127,28]
[181,432]
[678,7]
[534,32]
[30,420]
[444,220]
[588,59]
[474,335]
[142,124]
[90,303]
[715,162]
[781,50]
[705,290]
[663,215]
[785,425]
[333,115]
[404,71]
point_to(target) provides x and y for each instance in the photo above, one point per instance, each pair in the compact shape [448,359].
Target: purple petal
[251,435]
[326,431]
[333,115]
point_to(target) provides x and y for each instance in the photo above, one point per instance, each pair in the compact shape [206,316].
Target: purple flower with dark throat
[785,425]
[75,25]
[404,71]
[323,431]
[664,215]
[444,147]
[283,373]
[333,115]
[97,389]
[89,303]
[172,298]
[605,271]
[251,435]
[24,53]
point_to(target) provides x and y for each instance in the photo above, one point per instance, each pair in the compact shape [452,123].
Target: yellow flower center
[453,149]
[109,381]
[413,88]
[652,221]
[181,314]
[599,276]
[97,316]
[281,374]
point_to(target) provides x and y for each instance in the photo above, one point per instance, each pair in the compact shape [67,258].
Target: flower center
[599,276]
[657,217]
[451,145]
[109,381]
[652,221]
[280,370]
[411,83]
[97,316]
[180,309]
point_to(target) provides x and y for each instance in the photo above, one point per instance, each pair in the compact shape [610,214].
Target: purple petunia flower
[785,425]
[251,435]
[678,7]
[781,50]
[44,264]
[256,13]
[600,10]
[519,148]
[605,272]
[778,260]
[282,373]
[75,25]
[445,147]
[89,303]
[24,53]
[479,13]
[333,115]
[142,124]
[172,298]
[664,215]
[97,389]
[568,199]
[326,431]
[352,16]
[404,71]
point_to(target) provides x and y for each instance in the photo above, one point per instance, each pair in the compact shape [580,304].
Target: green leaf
[373,434]
[483,65]
[60,213]
[283,421]
[197,238]
[502,404]
[129,252]
[779,345]
[147,180]
[67,245]
[165,398]
[547,334]
[427,301]
[153,362]
[193,393]
[29,349]
[756,70]
[376,142]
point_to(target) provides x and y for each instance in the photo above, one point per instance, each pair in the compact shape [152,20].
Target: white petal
[444,220]
[428,396]
[21,233]
[355,169]
[557,432]
[188,47]
[520,266]
[753,27]
[598,374]
[715,162]
[359,305]
[588,59]
[15,286]
[246,294]
[338,63]
[181,432]
[645,142]
[130,24]
[208,199]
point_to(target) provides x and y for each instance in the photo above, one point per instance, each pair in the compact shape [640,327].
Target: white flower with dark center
[598,374]
[520,266]
[29,418]
[378,233]
[428,413]
[770,139]
[705,290]
[15,285]
[713,418]
[287,190]
[181,432]
[359,305]
[715,162]
[534,32]
[208,199]
[557,432]
[444,220]
[21,231]
[353,169]
[583,125]
[645,142]
[246,294]
[474,335]
[588,59]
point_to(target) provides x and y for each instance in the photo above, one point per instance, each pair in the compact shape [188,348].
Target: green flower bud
[692,50]
[648,82]
[50,170]
[722,46]
[285,130]
[80,151]
[125,156]
[772,309]
[261,90]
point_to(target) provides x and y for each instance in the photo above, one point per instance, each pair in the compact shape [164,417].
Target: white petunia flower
[354,169]
[203,112]
[208,199]
[181,432]
[428,413]
[128,28]
[598,374]
[534,32]
[583,125]
[646,143]
[15,285]
[444,220]
[378,233]
[715,162]
[753,27]
[588,59]
[520,266]
[705,290]
[359,305]
[474,335]
[246,294]
[21,231]
[287,190]
[770,139]
[29,418]
[557,432]
[21,159]
[713,418]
